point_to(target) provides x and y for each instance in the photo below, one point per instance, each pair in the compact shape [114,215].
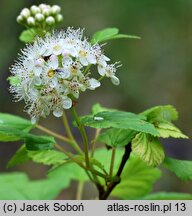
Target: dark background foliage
[156,70]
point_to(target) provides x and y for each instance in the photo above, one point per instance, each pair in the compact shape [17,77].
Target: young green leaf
[104,35]
[137,179]
[47,157]
[167,129]
[97,108]
[14,80]
[119,119]
[12,121]
[101,159]
[109,34]
[19,157]
[71,171]
[167,196]
[17,186]
[104,156]
[28,35]
[181,168]
[161,114]
[148,148]
[116,137]
[8,134]
[35,143]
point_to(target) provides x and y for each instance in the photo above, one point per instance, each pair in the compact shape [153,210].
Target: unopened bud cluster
[44,14]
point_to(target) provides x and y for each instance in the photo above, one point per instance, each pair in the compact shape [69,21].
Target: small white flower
[93,84]
[54,69]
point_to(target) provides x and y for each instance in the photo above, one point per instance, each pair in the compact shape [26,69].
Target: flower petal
[58,112]
[101,70]
[93,84]
[115,80]
[91,59]
[67,103]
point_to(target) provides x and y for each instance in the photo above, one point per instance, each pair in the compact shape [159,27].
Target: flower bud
[35,9]
[50,21]
[20,19]
[39,17]
[31,21]
[25,13]
[58,18]
[46,12]
[55,9]
[42,6]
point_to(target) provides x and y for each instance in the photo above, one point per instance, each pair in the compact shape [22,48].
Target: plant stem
[69,155]
[86,69]
[66,124]
[60,137]
[101,78]
[79,163]
[112,162]
[80,187]
[104,195]
[83,134]
[70,135]
[56,135]
[98,130]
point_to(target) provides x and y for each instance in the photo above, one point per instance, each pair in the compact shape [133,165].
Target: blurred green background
[156,70]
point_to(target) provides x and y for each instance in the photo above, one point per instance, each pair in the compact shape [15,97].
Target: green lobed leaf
[181,168]
[97,108]
[161,113]
[104,156]
[34,143]
[17,186]
[13,128]
[28,35]
[119,119]
[109,34]
[167,129]
[167,196]
[19,157]
[47,157]
[137,179]
[104,34]
[8,134]
[148,148]
[116,137]
[71,171]
[101,159]
[161,117]
[16,122]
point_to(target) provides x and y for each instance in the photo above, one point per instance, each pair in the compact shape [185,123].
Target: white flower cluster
[38,15]
[53,71]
